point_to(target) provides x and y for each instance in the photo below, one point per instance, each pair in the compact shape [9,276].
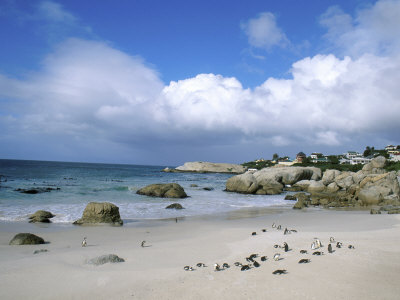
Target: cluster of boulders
[370,186]
[270,181]
[168,190]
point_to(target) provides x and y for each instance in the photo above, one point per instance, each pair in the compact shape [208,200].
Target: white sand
[370,271]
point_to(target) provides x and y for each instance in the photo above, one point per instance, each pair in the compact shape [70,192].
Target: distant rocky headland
[208,167]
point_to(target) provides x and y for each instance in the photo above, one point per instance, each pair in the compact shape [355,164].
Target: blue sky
[164,82]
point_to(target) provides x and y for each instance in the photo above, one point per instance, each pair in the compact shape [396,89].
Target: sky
[165,82]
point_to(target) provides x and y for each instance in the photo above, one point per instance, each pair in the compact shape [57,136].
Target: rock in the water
[290,197]
[175,206]
[103,212]
[168,190]
[244,183]
[103,259]
[208,188]
[207,167]
[37,190]
[41,216]
[26,239]
[193,185]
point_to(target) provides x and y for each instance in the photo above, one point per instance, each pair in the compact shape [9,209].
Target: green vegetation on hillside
[325,166]
[258,164]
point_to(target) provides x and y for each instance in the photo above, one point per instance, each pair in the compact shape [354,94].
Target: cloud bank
[89,95]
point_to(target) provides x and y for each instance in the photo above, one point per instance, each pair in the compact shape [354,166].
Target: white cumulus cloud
[263,32]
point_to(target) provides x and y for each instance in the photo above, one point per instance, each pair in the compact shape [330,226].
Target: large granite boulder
[100,212]
[375,188]
[208,167]
[329,176]
[168,190]
[316,187]
[26,239]
[103,259]
[270,180]
[41,216]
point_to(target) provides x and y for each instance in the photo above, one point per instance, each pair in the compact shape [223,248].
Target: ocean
[73,185]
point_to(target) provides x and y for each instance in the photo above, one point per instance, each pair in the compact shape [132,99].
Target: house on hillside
[354,158]
[390,147]
[319,158]
[300,157]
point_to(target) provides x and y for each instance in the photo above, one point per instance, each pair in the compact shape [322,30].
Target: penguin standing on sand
[217,267]
[286,246]
[84,243]
[330,248]
[277,256]
[142,244]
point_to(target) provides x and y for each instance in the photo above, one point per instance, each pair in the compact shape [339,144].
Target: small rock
[26,239]
[291,197]
[168,190]
[300,204]
[208,188]
[375,212]
[41,216]
[103,212]
[193,185]
[175,206]
[103,259]
[40,251]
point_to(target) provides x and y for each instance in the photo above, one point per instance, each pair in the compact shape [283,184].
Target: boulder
[316,187]
[244,183]
[302,197]
[303,184]
[193,185]
[168,190]
[41,216]
[375,188]
[103,259]
[300,204]
[291,197]
[344,180]
[332,188]
[100,212]
[208,167]
[329,176]
[175,206]
[26,239]
[378,162]
[375,212]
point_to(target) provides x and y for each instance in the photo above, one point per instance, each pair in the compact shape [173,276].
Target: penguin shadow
[146,246]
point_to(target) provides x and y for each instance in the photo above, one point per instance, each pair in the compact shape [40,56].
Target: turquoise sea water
[81,183]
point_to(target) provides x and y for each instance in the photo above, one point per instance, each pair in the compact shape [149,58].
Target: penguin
[351,247]
[332,239]
[279,227]
[187,268]
[176,220]
[264,258]
[201,265]
[142,244]
[256,264]
[318,253]
[226,266]
[286,246]
[238,264]
[286,231]
[217,267]
[254,233]
[277,246]
[303,251]
[304,261]
[277,256]
[84,243]
[273,225]
[339,245]
[253,255]
[264,230]
[318,243]
[330,248]
[245,268]
[313,246]
[249,259]
[279,272]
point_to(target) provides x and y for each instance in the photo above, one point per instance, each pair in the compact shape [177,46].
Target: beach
[370,271]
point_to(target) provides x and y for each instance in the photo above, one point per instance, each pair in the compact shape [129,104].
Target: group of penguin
[251,262]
